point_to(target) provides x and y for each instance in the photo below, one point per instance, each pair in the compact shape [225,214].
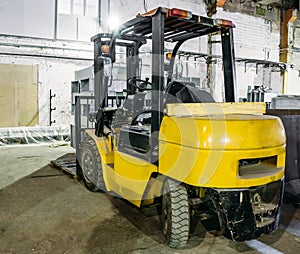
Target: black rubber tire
[175,214]
[91,166]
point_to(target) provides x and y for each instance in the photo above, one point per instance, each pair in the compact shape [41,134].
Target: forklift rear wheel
[91,167]
[175,214]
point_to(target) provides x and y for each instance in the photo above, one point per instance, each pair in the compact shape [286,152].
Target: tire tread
[99,185]
[180,219]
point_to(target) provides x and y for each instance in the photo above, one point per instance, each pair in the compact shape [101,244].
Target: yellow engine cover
[206,150]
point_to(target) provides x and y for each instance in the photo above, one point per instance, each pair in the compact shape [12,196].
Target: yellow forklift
[169,143]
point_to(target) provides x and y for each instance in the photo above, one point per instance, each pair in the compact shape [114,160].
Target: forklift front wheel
[175,214]
[91,166]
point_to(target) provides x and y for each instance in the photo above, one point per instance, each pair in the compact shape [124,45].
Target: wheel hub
[88,168]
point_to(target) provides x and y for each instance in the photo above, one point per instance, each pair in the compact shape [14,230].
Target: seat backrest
[190,94]
[173,88]
[186,92]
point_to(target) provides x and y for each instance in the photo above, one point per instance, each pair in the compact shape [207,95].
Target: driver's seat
[138,102]
[186,92]
[189,94]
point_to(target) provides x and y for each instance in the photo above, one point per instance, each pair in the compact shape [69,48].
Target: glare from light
[113,22]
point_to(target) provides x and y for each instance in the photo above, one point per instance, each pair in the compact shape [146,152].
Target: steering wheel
[142,83]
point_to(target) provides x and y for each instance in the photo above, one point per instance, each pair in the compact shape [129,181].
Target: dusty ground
[49,212]
[18,161]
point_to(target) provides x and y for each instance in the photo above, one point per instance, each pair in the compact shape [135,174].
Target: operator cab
[135,125]
[132,122]
[132,125]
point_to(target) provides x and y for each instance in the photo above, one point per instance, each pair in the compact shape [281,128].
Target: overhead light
[113,22]
[223,22]
[180,13]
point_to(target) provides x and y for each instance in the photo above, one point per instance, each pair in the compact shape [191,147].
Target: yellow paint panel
[219,132]
[205,151]
[123,174]
[216,169]
[132,176]
[104,147]
[204,109]
[133,167]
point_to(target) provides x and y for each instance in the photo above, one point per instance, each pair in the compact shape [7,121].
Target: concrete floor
[18,161]
[43,210]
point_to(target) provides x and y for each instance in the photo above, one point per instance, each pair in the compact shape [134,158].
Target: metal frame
[159,26]
[51,96]
[100,89]
[79,130]
[157,80]
[229,64]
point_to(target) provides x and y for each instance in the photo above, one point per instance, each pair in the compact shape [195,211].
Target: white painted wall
[293,70]
[255,38]
[55,75]
[27,18]
[57,60]
[126,9]
[56,63]
[293,78]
